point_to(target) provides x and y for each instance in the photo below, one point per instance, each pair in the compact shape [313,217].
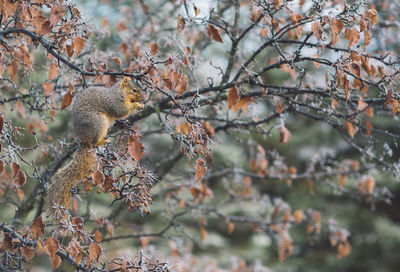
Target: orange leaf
[372,15]
[53,70]
[47,88]
[213,33]
[79,43]
[20,194]
[352,35]
[97,236]
[334,103]
[369,127]
[201,169]
[51,247]
[361,105]
[94,251]
[66,100]
[369,185]
[184,128]
[231,227]
[181,24]
[243,103]
[350,128]
[233,97]
[117,60]
[144,241]
[263,32]
[298,216]
[342,180]
[181,87]
[344,249]
[203,234]
[284,135]
[336,28]
[28,253]
[20,109]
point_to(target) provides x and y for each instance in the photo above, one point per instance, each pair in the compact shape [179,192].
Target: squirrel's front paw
[138,106]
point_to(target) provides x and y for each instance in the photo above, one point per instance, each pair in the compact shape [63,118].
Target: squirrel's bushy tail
[69,176]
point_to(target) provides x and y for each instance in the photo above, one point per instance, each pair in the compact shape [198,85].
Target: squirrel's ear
[125,83]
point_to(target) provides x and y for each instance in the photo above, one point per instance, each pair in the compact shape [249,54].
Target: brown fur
[92,112]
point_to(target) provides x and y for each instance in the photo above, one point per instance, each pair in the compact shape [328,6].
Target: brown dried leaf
[203,234]
[317,29]
[1,167]
[79,43]
[1,123]
[56,14]
[369,112]
[37,227]
[94,251]
[97,236]
[298,216]
[201,169]
[28,253]
[107,184]
[154,48]
[135,148]
[182,85]
[15,167]
[243,104]
[231,227]
[336,28]
[66,100]
[144,241]
[361,104]
[97,177]
[20,194]
[344,249]
[263,32]
[213,33]
[69,48]
[350,128]
[51,246]
[284,135]
[47,88]
[355,69]
[180,24]
[369,127]
[352,35]
[233,97]
[53,70]
[372,15]
[342,180]
[369,185]
[20,109]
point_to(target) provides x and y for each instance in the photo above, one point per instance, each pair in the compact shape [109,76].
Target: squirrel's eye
[134,91]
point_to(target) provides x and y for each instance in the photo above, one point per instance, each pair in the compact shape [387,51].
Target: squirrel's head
[132,92]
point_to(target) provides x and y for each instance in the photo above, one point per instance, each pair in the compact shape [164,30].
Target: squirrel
[92,113]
